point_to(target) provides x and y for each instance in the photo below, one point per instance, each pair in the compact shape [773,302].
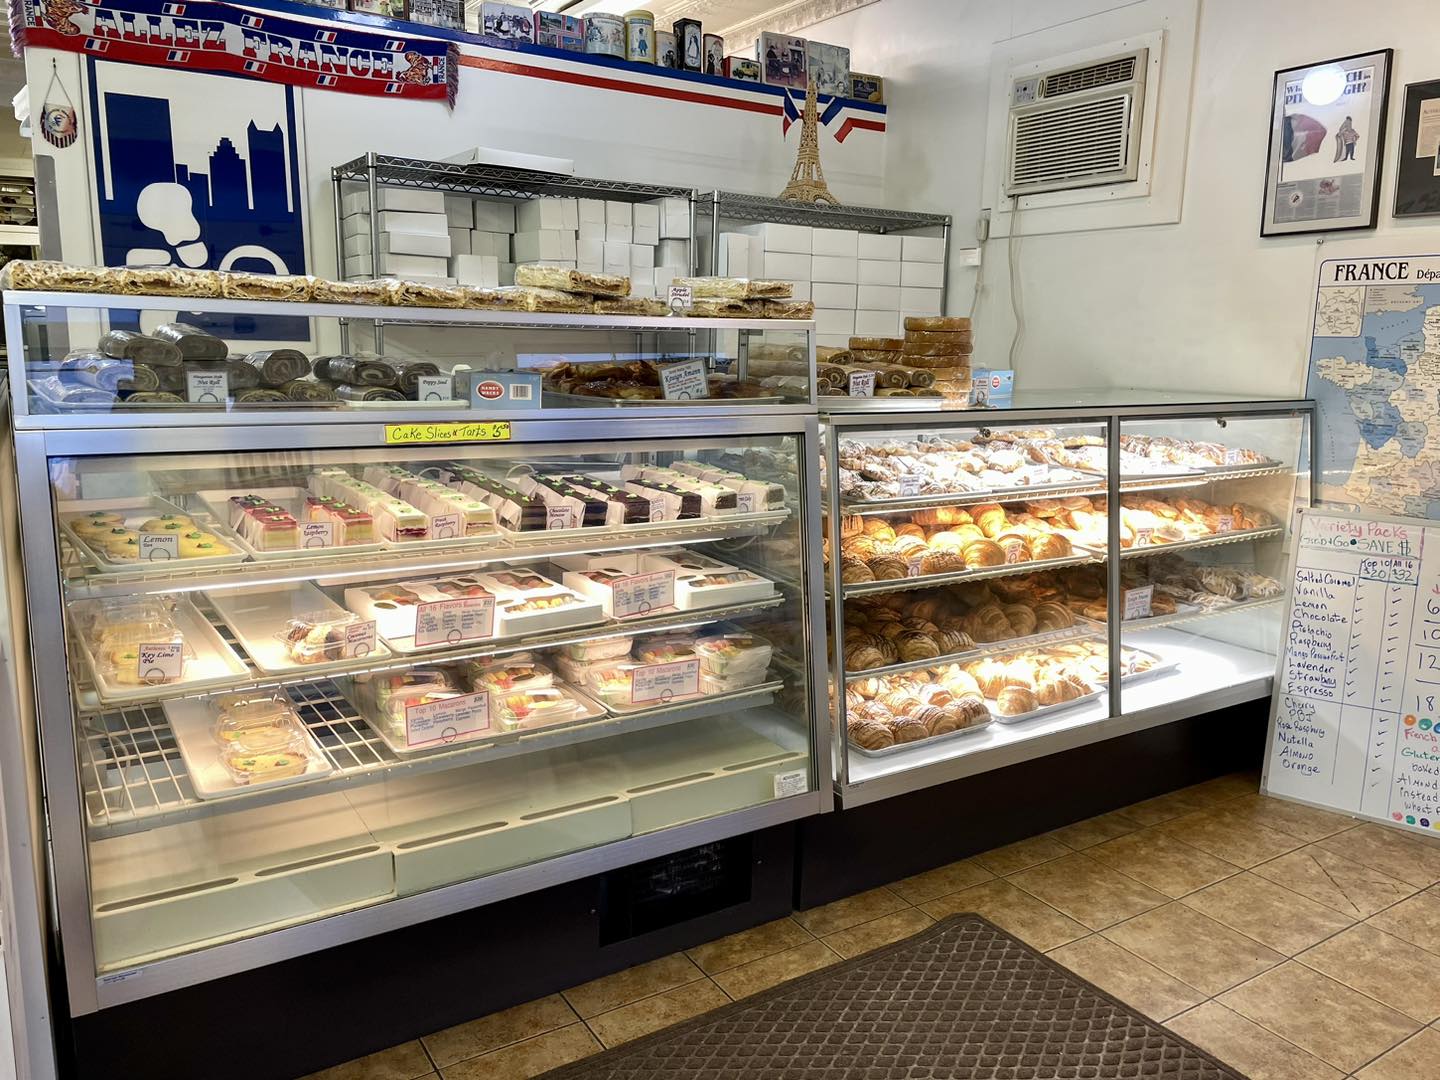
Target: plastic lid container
[257,707]
[121,649]
[665,648]
[612,683]
[535,708]
[513,674]
[247,766]
[281,732]
[734,653]
[602,649]
[317,637]
[725,684]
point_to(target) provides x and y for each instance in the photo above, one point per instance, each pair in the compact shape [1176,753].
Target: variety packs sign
[201,35]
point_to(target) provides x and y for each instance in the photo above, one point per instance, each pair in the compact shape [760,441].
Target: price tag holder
[1144,536]
[684,381]
[160,663]
[862,384]
[317,534]
[156,547]
[1014,553]
[435,388]
[359,640]
[1137,602]
[642,594]
[909,486]
[1226,523]
[745,502]
[451,622]
[681,297]
[658,683]
[795,782]
[448,721]
[559,517]
[207,387]
[444,526]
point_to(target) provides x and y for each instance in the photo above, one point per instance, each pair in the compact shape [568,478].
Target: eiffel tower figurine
[807,179]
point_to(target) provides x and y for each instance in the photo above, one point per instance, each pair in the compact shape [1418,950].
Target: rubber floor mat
[961,1000]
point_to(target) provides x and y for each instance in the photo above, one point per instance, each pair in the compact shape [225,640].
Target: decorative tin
[667,54]
[782,60]
[867,88]
[506,22]
[714,54]
[559,31]
[605,35]
[689,40]
[640,36]
[828,67]
[742,69]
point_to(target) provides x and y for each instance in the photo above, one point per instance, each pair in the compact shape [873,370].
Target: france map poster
[202,171]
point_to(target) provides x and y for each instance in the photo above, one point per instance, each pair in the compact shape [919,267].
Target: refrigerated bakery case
[308,673]
[1008,584]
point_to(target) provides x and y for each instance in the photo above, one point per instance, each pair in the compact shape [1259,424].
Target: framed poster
[1327,141]
[1417,170]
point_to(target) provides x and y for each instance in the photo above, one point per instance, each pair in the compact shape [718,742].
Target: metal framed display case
[364,665]
[973,556]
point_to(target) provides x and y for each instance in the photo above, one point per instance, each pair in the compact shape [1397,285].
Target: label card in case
[161,662]
[1137,602]
[1143,536]
[684,381]
[448,720]
[643,594]
[681,297]
[455,621]
[559,517]
[434,388]
[317,534]
[795,782]
[745,502]
[157,546]
[862,384]
[658,683]
[444,526]
[359,639]
[207,387]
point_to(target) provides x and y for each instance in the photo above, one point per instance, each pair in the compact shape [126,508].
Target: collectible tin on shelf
[640,37]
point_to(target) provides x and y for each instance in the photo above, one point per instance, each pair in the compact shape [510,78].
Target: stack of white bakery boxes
[862,284]
[432,236]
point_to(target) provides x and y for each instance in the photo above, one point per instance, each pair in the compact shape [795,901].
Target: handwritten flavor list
[1354,721]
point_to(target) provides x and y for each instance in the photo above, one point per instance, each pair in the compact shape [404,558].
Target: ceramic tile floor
[1293,943]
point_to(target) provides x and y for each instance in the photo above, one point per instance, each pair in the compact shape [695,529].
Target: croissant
[953,641]
[888,568]
[1021,618]
[942,562]
[981,553]
[863,658]
[1057,689]
[861,547]
[1015,546]
[914,645]
[947,541]
[936,720]
[992,521]
[968,711]
[900,702]
[1016,701]
[874,710]
[870,734]
[855,570]
[934,694]
[960,683]
[1052,616]
[1050,546]
[879,528]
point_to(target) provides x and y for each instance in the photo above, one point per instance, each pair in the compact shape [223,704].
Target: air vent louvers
[1087,78]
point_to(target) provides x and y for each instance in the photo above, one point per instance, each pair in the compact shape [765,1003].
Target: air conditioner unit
[1076,127]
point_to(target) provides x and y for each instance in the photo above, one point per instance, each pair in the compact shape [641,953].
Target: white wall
[1205,305]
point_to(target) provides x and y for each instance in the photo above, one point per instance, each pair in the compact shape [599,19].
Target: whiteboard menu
[1353,723]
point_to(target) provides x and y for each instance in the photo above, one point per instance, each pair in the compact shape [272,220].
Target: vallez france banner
[201,35]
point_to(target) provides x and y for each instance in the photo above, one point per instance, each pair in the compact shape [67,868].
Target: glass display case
[310,673]
[977,565]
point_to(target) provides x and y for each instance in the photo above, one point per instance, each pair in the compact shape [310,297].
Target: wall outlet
[969,256]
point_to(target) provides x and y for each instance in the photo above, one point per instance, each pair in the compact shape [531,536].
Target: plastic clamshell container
[518,673]
[527,710]
[317,637]
[119,649]
[733,654]
[588,652]
[728,684]
[665,648]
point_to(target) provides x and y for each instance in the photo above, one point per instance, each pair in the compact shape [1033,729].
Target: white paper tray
[257,617]
[900,748]
[1044,710]
[292,499]
[214,663]
[138,508]
[193,726]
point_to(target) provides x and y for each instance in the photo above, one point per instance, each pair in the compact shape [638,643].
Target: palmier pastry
[1016,701]
[909,729]
[888,568]
[855,570]
[871,734]
[915,645]
[980,553]
[942,562]
[937,721]
[1050,546]
[968,710]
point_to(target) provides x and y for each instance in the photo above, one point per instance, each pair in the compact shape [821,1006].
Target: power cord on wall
[1017,296]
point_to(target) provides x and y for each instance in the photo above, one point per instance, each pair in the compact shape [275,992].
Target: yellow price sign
[463,431]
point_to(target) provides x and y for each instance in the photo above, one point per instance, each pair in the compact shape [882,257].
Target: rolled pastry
[259,396]
[572,281]
[497,299]
[48,276]
[936,322]
[917,377]
[408,374]
[418,294]
[723,288]
[239,374]
[276,367]
[885,375]
[350,292]
[308,390]
[169,281]
[128,345]
[632,305]
[788,309]
[172,379]
[550,299]
[266,286]
[357,371]
[368,393]
[107,374]
[193,343]
[154,397]
[71,394]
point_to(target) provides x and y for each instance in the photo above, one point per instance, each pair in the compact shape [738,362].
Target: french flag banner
[205,35]
[789,114]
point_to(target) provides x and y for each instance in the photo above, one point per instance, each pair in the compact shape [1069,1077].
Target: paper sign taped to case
[464,431]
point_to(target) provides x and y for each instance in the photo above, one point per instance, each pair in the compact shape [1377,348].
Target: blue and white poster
[199,171]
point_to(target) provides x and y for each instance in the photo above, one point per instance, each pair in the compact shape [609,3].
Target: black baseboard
[857,849]
[310,1012]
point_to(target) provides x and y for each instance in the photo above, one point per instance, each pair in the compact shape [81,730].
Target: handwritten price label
[909,486]
[658,683]
[559,517]
[434,388]
[444,526]
[451,622]
[1226,523]
[157,546]
[317,534]
[359,640]
[1137,602]
[862,384]
[684,381]
[1144,536]
[1233,456]
[745,502]
[207,387]
[452,720]
[1015,553]
[161,662]
[681,297]
[642,594]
